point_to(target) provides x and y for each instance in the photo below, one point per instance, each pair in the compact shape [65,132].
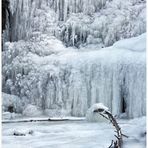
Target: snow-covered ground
[72,134]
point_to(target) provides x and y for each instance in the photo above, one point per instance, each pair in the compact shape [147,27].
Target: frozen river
[72,134]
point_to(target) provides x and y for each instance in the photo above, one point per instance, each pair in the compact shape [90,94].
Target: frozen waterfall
[74,80]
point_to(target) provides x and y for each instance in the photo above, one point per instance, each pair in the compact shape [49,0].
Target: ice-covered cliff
[54,77]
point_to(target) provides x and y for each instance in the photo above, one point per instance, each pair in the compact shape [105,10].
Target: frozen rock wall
[64,78]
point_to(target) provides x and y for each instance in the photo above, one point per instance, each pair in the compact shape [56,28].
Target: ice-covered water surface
[78,134]
[70,81]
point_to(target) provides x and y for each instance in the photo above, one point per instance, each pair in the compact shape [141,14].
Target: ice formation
[32,111]
[77,22]
[75,80]
[40,70]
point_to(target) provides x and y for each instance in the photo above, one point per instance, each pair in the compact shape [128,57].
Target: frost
[74,21]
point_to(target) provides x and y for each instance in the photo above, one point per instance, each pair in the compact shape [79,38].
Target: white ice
[100,22]
[73,134]
[70,81]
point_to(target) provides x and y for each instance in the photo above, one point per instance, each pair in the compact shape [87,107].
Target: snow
[130,44]
[74,134]
[10,116]
[98,106]
[41,118]
[32,110]
[92,116]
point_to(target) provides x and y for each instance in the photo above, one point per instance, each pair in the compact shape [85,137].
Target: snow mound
[129,44]
[92,116]
[32,111]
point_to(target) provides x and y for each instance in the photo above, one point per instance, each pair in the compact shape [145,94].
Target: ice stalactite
[76,21]
[24,13]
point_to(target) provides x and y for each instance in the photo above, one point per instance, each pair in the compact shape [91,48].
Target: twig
[118,143]
[111,144]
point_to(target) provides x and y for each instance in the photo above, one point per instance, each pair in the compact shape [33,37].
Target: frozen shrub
[32,111]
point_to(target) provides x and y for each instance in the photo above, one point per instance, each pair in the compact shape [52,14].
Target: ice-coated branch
[104,112]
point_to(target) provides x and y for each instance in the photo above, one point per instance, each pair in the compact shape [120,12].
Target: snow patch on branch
[91,116]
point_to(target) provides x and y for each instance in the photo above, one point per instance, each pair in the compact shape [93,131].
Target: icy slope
[59,78]
[130,45]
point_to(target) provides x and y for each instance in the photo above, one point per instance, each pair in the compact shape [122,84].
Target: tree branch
[106,114]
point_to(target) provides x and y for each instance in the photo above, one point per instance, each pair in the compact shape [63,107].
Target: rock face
[5,13]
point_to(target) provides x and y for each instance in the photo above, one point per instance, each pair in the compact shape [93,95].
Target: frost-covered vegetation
[78,22]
